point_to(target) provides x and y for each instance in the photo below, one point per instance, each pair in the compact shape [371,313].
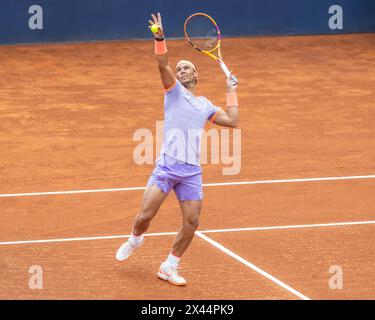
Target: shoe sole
[123,259]
[130,254]
[164,277]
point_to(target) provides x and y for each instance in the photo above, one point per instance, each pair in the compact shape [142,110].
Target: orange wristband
[160,47]
[232,100]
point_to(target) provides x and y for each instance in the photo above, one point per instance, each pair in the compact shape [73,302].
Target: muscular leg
[152,200]
[190,214]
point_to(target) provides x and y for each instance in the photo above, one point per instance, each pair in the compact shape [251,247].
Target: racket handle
[229,74]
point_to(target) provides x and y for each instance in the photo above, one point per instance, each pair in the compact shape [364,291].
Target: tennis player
[178,166]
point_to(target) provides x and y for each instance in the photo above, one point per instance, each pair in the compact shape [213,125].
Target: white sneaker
[126,250]
[169,273]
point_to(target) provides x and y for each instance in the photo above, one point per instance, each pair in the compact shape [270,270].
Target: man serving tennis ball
[178,166]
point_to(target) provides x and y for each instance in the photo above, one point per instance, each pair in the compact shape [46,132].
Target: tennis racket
[202,32]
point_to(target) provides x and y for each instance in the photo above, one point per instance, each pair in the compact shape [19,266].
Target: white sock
[173,260]
[135,239]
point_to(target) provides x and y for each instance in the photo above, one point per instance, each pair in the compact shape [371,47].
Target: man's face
[186,74]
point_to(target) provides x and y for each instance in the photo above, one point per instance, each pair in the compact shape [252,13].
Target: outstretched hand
[157,20]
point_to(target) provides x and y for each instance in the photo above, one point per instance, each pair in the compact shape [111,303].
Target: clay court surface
[68,113]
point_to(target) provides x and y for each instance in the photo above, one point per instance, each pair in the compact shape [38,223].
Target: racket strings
[202,33]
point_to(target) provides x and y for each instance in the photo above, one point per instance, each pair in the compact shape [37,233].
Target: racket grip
[224,68]
[229,74]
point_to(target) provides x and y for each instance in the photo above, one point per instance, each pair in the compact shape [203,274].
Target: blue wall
[81,20]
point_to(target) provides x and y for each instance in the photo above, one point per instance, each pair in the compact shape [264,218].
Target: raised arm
[167,76]
[229,118]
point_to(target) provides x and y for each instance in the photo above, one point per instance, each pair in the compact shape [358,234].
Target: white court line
[252,266]
[202,231]
[84,238]
[337,224]
[205,185]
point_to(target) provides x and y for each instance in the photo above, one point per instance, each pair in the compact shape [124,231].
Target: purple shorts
[184,178]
